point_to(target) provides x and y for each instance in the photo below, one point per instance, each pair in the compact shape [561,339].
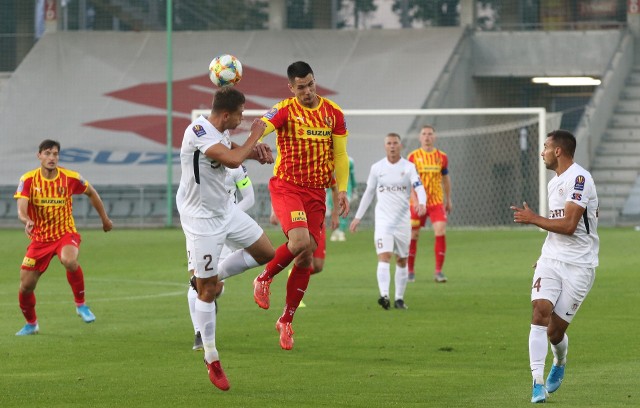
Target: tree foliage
[303,13]
[220,14]
[434,12]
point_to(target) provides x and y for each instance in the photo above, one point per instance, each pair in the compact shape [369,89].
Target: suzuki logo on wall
[188,94]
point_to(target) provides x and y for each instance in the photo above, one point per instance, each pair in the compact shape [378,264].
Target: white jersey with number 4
[202,192]
[391,183]
[575,185]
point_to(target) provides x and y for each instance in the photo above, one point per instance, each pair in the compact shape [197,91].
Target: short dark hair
[392,134]
[565,140]
[298,69]
[429,127]
[48,144]
[227,99]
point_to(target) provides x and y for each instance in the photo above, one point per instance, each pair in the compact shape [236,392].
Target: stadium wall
[102,94]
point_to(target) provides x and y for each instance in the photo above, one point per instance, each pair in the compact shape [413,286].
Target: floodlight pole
[169,218]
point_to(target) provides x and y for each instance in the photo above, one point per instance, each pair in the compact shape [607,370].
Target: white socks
[236,263]
[206,320]
[537,351]
[402,274]
[384,278]
[560,351]
[192,295]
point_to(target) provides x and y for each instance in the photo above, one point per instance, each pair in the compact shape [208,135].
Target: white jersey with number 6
[391,183]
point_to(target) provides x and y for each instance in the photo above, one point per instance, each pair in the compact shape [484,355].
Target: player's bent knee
[69,263]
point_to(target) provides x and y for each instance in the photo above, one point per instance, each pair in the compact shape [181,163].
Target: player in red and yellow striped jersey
[311,139]
[433,167]
[45,207]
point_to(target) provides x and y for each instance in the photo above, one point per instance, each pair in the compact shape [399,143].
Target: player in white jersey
[565,270]
[239,187]
[391,181]
[207,213]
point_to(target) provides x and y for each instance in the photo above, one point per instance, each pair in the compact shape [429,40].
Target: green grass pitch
[460,344]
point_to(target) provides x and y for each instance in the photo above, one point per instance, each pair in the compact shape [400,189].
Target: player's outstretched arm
[97,203]
[23,215]
[235,156]
[565,226]
[262,153]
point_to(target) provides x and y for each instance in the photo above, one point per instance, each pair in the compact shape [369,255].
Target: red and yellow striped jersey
[431,167]
[50,202]
[304,141]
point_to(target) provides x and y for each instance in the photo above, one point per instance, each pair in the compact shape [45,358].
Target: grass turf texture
[460,344]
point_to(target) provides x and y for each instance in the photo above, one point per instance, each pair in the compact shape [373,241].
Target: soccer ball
[225,70]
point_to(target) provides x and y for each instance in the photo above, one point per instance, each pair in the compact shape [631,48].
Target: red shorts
[39,254]
[435,213]
[321,250]
[299,207]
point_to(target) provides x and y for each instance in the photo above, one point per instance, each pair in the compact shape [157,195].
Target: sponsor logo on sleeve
[579,183]
[272,112]
[576,197]
[199,130]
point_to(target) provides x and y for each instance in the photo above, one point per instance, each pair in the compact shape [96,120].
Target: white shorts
[227,250]
[395,241]
[564,285]
[206,236]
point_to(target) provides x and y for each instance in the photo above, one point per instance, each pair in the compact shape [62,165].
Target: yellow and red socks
[296,288]
[281,260]
[76,281]
[28,306]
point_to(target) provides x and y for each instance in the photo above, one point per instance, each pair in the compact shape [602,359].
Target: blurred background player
[433,167]
[208,216]
[339,233]
[45,208]
[391,180]
[311,138]
[240,188]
